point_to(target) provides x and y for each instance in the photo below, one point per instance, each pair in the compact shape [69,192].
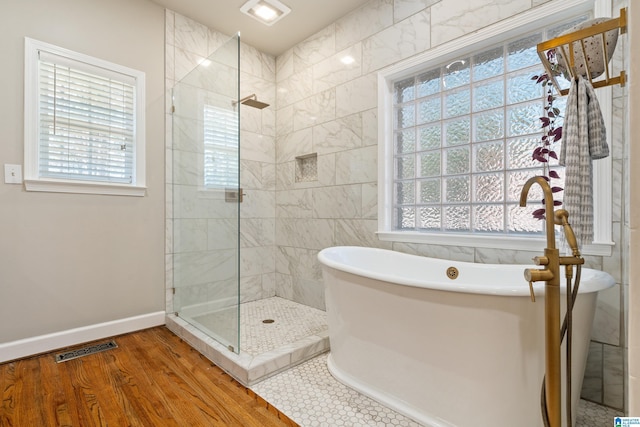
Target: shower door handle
[234,195]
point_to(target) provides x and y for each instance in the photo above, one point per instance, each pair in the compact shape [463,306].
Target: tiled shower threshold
[265,348]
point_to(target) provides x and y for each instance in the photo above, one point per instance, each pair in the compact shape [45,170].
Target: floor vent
[85,351]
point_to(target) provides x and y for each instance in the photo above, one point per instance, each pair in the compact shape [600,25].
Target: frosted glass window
[430,136]
[465,132]
[429,110]
[406,141]
[488,94]
[457,131]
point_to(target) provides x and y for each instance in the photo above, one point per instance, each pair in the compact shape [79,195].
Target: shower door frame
[206,204]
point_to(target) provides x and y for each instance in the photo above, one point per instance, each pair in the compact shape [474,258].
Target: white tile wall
[320,105]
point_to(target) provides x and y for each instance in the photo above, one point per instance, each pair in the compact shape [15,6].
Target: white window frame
[32,180]
[474,42]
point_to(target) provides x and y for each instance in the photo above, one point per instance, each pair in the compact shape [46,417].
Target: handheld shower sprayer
[561,217]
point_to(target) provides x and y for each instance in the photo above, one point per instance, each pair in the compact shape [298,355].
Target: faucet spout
[548,206]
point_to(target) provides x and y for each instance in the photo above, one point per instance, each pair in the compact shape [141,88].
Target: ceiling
[306,18]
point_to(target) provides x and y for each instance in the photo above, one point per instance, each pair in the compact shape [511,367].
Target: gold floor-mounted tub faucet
[550,274]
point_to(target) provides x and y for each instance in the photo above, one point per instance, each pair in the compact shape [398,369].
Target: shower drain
[85,351]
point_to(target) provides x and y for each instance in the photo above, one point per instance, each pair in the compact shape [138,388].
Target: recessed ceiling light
[266,11]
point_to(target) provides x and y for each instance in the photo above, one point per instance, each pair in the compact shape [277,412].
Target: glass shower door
[206,152]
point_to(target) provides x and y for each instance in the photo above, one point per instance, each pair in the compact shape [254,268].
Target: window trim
[32,180]
[484,38]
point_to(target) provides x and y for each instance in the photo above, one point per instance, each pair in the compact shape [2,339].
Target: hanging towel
[584,140]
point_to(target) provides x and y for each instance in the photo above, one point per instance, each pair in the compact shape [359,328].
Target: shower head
[251,101]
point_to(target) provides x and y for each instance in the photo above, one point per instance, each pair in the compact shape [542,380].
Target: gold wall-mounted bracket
[565,44]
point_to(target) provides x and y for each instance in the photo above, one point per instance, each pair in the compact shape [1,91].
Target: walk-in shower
[210,257]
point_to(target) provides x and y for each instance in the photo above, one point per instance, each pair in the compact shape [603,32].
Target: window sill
[83,187]
[512,242]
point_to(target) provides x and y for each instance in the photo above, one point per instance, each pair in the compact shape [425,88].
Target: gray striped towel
[584,140]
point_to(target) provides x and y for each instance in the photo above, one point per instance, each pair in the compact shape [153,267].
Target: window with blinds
[221,150]
[84,123]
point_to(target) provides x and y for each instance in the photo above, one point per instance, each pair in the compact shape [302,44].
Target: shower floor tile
[287,322]
[310,396]
[297,333]
[292,322]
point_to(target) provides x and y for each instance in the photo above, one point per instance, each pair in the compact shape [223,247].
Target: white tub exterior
[463,352]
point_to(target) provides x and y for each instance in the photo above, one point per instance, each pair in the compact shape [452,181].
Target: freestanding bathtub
[448,352]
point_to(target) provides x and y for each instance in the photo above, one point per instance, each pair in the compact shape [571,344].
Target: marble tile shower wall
[191,242]
[329,108]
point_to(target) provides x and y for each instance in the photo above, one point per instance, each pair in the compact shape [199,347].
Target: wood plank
[57,407]
[152,379]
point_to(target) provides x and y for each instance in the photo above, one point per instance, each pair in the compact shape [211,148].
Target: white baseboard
[49,342]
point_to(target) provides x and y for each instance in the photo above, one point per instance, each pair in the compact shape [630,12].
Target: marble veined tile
[327,169]
[298,263]
[257,147]
[613,376]
[318,108]
[190,35]
[340,201]
[370,127]
[284,121]
[404,8]
[374,16]
[221,233]
[359,165]
[357,95]
[315,48]
[189,235]
[284,65]
[257,232]
[451,19]
[338,135]
[295,88]
[250,60]
[370,200]
[337,69]
[308,233]
[359,232]
[296,203]
[258,204]
[309,292]
[606,323]
[297,143]
[169,26]
[453,253]
[397,42]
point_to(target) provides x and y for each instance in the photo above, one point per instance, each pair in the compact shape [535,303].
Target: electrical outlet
[12,174]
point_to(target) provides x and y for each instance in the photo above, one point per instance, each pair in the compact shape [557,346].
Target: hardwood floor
[153,378]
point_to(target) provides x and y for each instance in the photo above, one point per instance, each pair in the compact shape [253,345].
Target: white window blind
[84,123]
[87,123]
[221,168]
